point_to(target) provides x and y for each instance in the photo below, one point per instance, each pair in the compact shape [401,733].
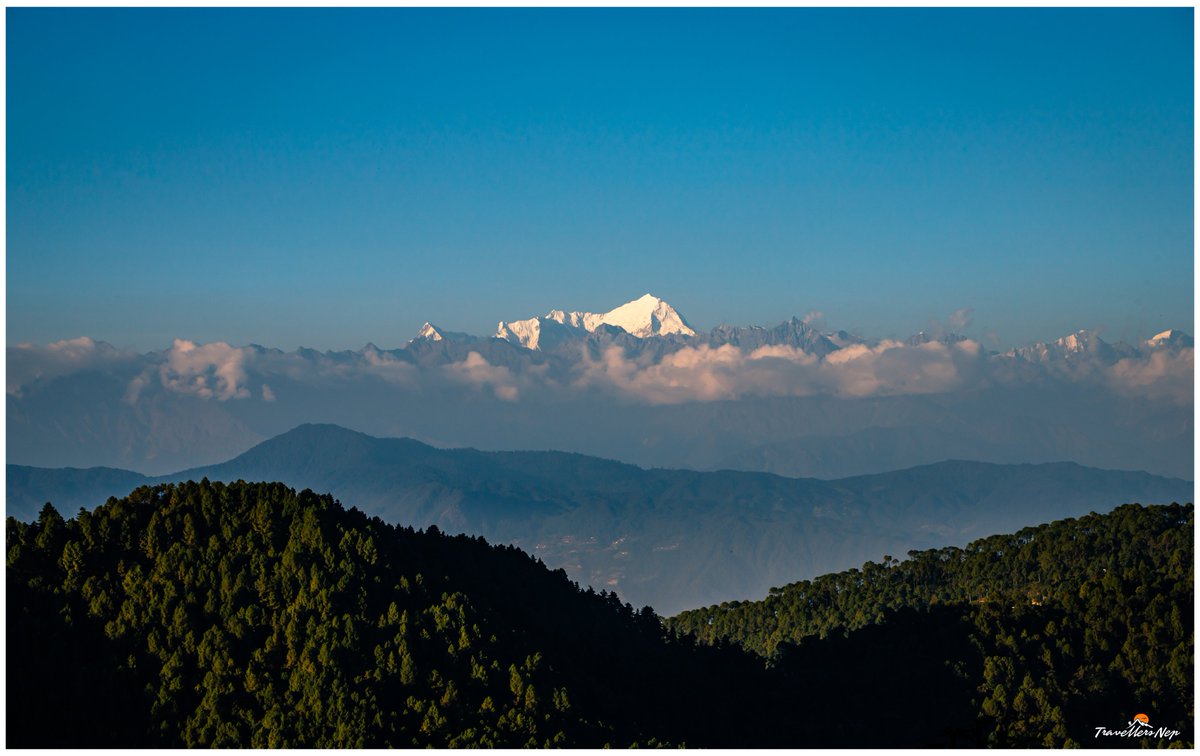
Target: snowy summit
[1171,337]
[430,332]
[644,317]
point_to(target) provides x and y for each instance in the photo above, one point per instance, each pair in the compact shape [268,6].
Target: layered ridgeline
[672,539]
[249,615]
[1059,629]
[637,383]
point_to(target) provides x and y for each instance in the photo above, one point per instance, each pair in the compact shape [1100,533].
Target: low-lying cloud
[28,364]
[220,372]
[209,371]
[386,367]
[706,373]
[477,372]
[1165,375]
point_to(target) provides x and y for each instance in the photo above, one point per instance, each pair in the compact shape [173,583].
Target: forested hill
[1067,618]
[1139,548]
[204,614]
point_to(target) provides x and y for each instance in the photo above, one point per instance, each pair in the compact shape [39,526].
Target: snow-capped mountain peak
[526,333]
[1060,348]
[643,318]
[1080,341]
[648,316]
[1081,345]
[1172,337]
[430,333]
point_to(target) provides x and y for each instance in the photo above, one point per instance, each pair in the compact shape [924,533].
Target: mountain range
[643,318]
[637,384]
[655,323]
[671,539]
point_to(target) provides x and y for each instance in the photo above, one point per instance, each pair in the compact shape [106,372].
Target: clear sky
[331,177]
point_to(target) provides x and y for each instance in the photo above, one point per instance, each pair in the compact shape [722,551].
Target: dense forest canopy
[1065,616]
[203,614]
[1044,565]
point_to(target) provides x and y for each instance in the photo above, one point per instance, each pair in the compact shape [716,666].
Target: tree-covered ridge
[1041,565]
[249,615]
[1067,622]
[203,614]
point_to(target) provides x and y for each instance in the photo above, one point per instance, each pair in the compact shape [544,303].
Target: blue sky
[329,177]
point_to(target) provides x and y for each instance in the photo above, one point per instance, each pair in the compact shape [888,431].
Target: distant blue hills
[671,539]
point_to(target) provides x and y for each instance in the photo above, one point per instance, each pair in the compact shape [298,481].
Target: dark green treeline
[1070,625]
[249,615]
[204,614]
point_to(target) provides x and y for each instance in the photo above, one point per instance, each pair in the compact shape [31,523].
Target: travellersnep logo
[1138,727]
